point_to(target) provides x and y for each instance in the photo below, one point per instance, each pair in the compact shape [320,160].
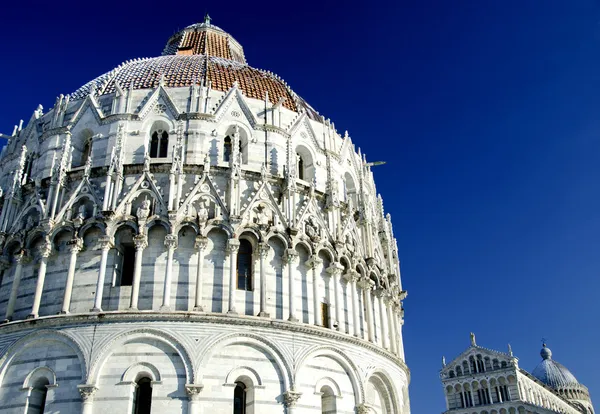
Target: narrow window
[325,315]
[142,401]
[239,398]
[128,264]
[37,398]
[159,144]
[86,153]
[462,400]
[227,149]
[328,403]
[300,166]
[244,266]
[27,170]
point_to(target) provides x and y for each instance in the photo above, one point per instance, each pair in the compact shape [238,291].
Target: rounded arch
[111,344]
[328,250]
[112,231]
[218,227]
[40,372]
[304,244]
[249,233]
[244,374]
[281,362]
[328,382]
[141,369]
[384,386]
[278,236]
[305,162]
[42,336]
[342,359]
[158,137]
[158,221]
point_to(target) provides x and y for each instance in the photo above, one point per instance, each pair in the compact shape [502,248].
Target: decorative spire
[510,352]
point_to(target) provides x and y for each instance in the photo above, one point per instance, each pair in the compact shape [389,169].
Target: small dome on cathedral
[553,373]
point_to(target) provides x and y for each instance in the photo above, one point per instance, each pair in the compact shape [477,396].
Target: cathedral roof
[553,373]
[199,54]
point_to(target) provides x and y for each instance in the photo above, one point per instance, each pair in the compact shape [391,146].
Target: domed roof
[553,373]
[199,54]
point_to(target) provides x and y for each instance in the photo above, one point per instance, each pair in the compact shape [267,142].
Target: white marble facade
[251,250]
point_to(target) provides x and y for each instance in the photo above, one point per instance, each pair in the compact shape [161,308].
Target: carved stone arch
[387,386]
[245,136]
[180,225]
[218,226]
[90,225]
[112,229]
[132,373]
[45,336]
[281,361]
[63,227]
[361,268]
[251,234]
[33,236]
[309,158]
[329,382]
[112,343]
[44,372]
[13,243]
[303,243]
[284,238]
[158,221]
[328,250]
[236,373]
[341,358]
[30,210]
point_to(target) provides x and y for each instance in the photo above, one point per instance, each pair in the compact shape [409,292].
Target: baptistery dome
[186,234]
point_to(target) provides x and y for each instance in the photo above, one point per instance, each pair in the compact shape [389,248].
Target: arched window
[37,397]
[87,152]
[244,266]
[227,149]
[159,144]
[142,400]
[300,167]
[27,169]
[239,398]
[328,404]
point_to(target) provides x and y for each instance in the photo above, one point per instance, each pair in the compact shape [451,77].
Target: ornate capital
[290,256]
[363,409]
[75,245]
[201,242]
[140,241]
[45,249]
[365,283]
[233,245]
[335,269]
[171,241]
[380,293]
[352,276]
[314,261]
[263,249]
[105,242]
[193,391]
[87,391]
[21,257]
[290,398]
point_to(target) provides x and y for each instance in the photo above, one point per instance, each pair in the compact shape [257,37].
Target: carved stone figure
[202,214]
[312,230]
[263,216]
[143,211]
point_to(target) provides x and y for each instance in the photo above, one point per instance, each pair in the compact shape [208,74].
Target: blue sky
[487,113]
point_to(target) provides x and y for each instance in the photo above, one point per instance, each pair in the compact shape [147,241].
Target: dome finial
[207,19]
[546,353]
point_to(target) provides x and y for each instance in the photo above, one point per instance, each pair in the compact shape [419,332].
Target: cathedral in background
[484,381]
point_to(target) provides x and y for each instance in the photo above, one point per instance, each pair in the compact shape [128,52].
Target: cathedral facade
[484,381]
[185,234]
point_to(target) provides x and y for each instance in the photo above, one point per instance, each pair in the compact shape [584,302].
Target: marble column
[366,286]
[233,245]
[335,270]
[292,261]
[105,245]
[380,295]
[44,251]
[390,320]
[290,399]
[87,392]
[352,279]
[141,242]
[399,340]
[171,244]
[314,263]
[263,251]
[201,243]
[75,245]
[20,258]
[193,392]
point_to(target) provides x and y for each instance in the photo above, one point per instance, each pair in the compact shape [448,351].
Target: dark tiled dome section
[182,71]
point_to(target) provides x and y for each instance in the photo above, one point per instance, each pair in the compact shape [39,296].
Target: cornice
[72,320]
